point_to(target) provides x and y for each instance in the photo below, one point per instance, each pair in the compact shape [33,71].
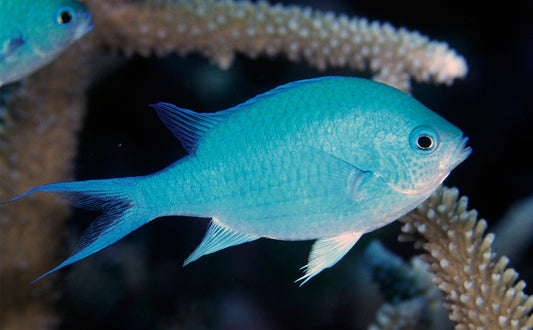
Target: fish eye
[424,140]
[65,15]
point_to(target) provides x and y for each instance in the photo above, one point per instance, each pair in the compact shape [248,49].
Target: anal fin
[218,237]
[326,252]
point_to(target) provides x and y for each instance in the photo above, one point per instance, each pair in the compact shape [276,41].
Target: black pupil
[424,142]
[65,17]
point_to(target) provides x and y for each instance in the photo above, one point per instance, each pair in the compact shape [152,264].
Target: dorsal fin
[281,89]
[188,126]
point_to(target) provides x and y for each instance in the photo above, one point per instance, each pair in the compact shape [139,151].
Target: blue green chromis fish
[325,159]
[33,33]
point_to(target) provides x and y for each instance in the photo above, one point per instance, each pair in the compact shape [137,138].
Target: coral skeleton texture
[480,290]
[220,29]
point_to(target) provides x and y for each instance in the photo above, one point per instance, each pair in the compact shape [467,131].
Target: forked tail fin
[119,200]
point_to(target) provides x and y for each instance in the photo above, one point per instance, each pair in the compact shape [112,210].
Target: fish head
[54,25]
[422,150]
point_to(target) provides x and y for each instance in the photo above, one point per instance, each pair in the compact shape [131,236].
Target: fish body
[33,33]
[328,159]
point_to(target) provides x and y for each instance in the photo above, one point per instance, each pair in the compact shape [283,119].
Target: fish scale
[328,159]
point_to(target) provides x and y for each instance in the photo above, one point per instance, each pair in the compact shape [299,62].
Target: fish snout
[461,153]
[85,25]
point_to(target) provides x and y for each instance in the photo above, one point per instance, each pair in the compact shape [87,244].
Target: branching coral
[219,29]
[480,290]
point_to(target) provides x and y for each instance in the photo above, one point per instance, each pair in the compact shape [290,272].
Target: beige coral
[481,291]
[220,29]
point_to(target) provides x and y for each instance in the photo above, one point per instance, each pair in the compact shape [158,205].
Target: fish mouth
[461,153]
[85,26]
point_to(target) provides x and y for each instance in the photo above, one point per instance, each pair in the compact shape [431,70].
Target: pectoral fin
[337,174]
[218,237]
[326,252]
[9,47]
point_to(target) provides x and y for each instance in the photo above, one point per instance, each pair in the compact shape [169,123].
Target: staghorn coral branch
[219,29]
[480,290]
